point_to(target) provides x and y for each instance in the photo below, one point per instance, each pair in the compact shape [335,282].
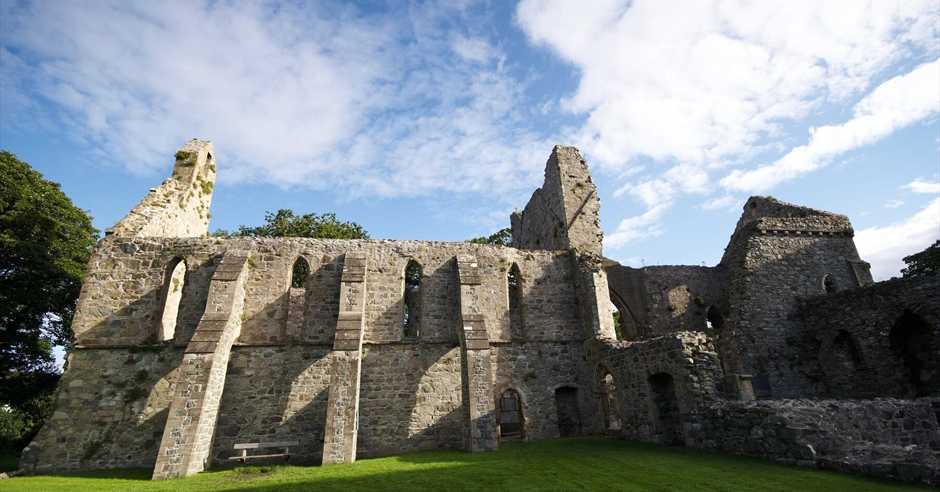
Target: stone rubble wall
[868,315]
[883,438]
[565,212]
[688,357]
[180,206]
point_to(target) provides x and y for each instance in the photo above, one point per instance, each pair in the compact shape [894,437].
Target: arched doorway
[511,421]
[566,406]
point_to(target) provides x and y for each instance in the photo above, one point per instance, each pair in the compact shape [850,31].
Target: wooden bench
[263,445]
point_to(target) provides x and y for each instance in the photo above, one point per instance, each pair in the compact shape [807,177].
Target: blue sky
[433,120]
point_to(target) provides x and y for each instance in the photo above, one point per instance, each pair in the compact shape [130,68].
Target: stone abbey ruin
[186,345]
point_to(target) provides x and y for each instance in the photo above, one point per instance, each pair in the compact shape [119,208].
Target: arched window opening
[909,339]
[714,321]
[609,400]
[173,293]
[511,422]
[666,415]
[625,324]
[412,299]
[299,274]
[566,406]
[830,285]
[846,342]
[514,286]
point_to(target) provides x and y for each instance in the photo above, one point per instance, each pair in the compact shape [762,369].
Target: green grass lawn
[587,463]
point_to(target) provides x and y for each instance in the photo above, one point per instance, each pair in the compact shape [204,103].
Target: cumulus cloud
[884,247]
[893,204]
[698,87]
[316,95]
[636,228]
[897,103]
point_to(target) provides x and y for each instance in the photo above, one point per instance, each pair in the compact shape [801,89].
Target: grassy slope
[559,464]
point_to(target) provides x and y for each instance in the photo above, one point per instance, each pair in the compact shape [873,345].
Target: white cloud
[727,202]
[921,186]
[893,204]
[312,95]
[637,228]
[897,103]
[884,247]
[701,82]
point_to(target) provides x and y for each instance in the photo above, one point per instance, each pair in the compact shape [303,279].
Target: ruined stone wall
[679,297]
[881,340]
[884,438]
[180,206]
[111,409]
[780,254]
[686,360]
[564,212]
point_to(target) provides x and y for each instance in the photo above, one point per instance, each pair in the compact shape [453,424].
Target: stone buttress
[342,417]
[478,392]
[190,426]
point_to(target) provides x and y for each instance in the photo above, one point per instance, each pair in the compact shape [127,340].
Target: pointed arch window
[173,293]
[411,312]
[610,402]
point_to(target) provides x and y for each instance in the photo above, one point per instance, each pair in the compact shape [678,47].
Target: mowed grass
[588,463]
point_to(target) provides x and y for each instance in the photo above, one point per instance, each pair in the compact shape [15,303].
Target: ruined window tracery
[173,293]
[411,312]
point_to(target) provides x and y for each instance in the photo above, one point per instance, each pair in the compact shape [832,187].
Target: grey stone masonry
[565,212]
[187,439]
[342,414]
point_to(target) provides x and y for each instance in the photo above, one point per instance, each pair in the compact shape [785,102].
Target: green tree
[923,264]
[285,224]
[502,237]
[45,242]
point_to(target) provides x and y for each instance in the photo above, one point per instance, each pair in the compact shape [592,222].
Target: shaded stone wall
[779,255]
[884,438]
[871,341]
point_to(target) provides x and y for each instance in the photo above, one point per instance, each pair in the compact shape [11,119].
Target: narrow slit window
[514,284]
[412,300]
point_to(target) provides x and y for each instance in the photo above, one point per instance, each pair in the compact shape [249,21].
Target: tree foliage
[45,242]
[285,223]
[502,237]
[923,264]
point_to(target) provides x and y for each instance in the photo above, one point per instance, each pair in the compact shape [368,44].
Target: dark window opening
[299,274]
[762,386]
[909,339]
[845,341]
[511,421]
[830,285]
[714,321]
[412,299]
